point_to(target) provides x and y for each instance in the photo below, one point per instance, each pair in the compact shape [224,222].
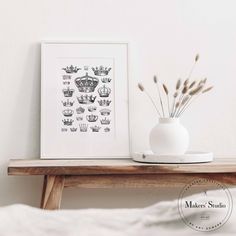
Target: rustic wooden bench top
[106,173]
[113,166]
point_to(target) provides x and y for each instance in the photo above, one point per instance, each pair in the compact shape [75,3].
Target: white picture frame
[84,100]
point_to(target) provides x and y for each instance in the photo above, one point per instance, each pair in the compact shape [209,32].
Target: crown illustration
[106,80]
[83,127]
[68,121]
[67,103]
[68,92]
[68,112]
[101,71]
[71,69]
[104,91]
[107,129]
[105,121]
[92,108]
[86,67]
[104,102]
[105,112]
[80,110]
[86,99]
[79,118]
[66,82]
[73,129]
[95,128]
[86,83]
[63,129]
[91,118]
[66,77]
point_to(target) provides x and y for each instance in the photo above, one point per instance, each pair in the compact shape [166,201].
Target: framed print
[84,100]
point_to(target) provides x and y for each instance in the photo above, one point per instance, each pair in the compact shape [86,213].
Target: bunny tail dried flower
[168,102]
[159,94]
[207,89]
[140,86]
[178,84]
[196,57]
[196,90]
[192,84]
[193,66]
[155,79]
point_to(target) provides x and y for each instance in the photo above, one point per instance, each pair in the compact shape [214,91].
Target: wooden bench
[107,173]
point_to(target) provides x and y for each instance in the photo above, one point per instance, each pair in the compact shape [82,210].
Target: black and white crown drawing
[73,129]
[107,129]
[80,110]
[104,91]
[105,112]
[68,112]
[86,83]
[91,118]
[105,121]
[104,102]
[71,69]
[68,122]
[67,103]
[101,70]
[79,118]
[83,127]
[106,80]
[95,128]
[68,92]
[66,82]
[86,99]
[92,108]
[66,77]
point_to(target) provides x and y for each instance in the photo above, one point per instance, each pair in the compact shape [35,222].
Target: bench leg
[52,192]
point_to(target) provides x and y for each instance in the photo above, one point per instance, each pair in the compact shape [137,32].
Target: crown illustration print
[66,82]
[86,83]
[104,91]
[106,80]
[101,70]
[67,103]
[95,128]
[86,99]
[105,112]
[92,108]
[107,129]
[105,121]
[68,92]
[66,77]
[73,129]
[91,118]
[80,110]
[68,112]
[71,69]
[83,127]
[68,122]
[79,118]
[104,102]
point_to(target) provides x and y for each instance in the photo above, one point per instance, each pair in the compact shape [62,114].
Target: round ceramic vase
[169,137]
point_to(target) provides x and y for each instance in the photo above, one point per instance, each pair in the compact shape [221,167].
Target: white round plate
[189,157]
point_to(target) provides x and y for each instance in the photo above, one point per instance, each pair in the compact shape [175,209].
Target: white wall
[164,36]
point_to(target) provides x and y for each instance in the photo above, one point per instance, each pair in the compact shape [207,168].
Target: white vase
[169,137]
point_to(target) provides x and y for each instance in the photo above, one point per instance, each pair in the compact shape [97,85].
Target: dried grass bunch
[185,93]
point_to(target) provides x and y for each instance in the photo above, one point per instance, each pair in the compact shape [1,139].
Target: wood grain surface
[114,166]
[52,192]
[144,181]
